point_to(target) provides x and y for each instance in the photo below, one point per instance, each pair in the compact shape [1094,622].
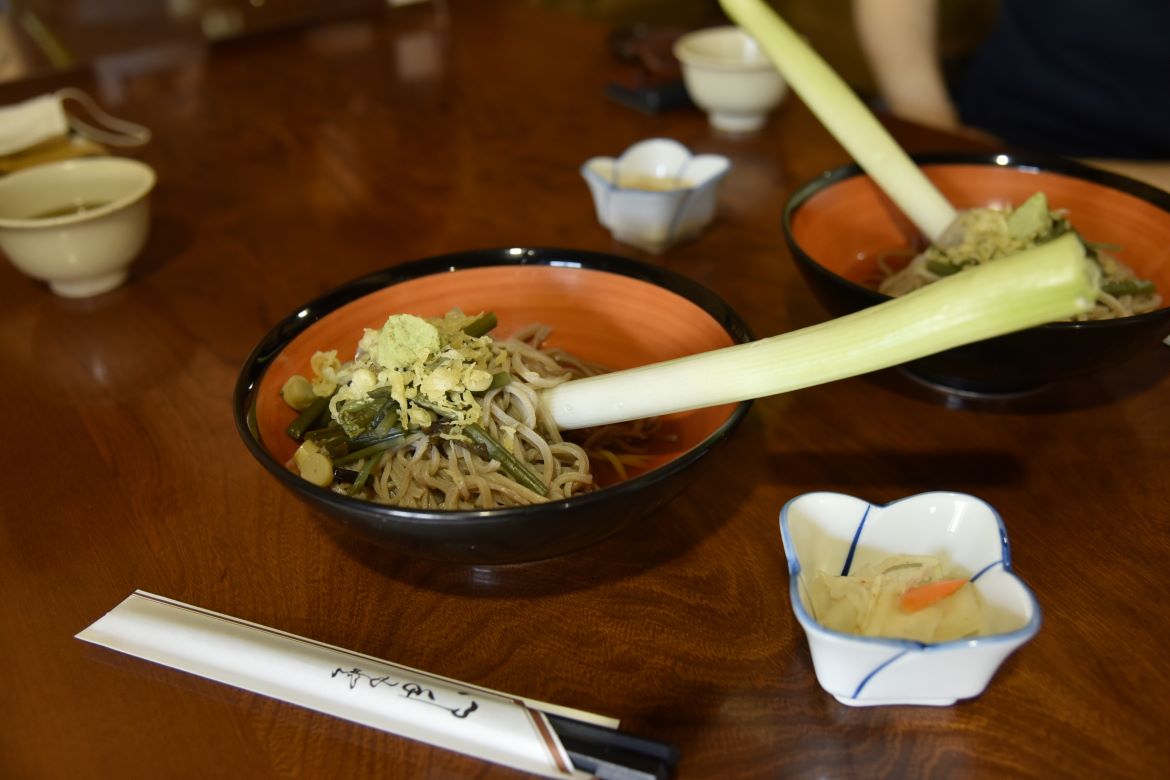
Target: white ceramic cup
[729,77]
[77,224]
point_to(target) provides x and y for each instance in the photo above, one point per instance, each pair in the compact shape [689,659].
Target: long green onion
[1050,282]
[843,113]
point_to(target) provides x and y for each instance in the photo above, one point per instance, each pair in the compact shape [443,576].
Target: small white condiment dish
[840,534]
[729,77]
[656,193]
[77,224]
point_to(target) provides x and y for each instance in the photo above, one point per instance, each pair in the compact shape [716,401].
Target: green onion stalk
[1050,282]
[843,113]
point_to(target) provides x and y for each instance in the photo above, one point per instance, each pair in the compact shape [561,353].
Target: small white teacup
[76,224]
[728,76]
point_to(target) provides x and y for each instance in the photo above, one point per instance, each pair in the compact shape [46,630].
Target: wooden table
[291,162]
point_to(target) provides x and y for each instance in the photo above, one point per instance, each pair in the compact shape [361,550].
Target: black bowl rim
[254,367]
[1036,162]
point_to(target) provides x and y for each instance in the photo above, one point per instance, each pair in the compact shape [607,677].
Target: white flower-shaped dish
[837,534]
[656,193]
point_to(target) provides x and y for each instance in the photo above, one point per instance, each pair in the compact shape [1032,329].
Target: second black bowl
[837,225]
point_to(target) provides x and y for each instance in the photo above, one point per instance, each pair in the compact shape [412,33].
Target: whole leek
[839,109]
[1051,282]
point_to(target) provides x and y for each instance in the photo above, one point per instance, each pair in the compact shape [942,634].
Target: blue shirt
[1074,77]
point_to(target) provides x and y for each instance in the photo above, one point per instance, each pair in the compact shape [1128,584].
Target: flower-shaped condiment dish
[839,534]
[656,194]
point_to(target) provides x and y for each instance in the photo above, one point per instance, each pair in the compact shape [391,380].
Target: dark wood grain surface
[291,162]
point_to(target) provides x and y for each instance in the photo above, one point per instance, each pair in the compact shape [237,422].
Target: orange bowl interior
[848,224]
[599,316]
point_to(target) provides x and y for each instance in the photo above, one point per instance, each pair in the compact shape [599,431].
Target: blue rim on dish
[902,647]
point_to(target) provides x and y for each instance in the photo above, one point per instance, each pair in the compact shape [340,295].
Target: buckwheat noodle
[434,471]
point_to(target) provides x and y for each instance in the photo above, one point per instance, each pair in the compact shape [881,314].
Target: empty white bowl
[729,77]
[656,193]
[840,534]
[76,224]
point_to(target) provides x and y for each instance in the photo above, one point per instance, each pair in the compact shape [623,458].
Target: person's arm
[900,41]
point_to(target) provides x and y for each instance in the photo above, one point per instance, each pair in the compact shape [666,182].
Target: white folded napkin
[476,721]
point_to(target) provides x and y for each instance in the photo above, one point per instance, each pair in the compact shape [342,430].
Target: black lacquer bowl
[611,310]
[837,225]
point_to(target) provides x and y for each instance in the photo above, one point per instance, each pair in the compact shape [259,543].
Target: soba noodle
[456,416]
[985,234]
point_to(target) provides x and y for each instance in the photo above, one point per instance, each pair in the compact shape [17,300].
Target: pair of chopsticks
[612,755]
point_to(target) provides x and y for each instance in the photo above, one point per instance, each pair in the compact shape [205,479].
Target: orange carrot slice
[922,596]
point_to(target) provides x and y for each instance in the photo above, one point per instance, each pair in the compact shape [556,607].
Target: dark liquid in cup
[68,211]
